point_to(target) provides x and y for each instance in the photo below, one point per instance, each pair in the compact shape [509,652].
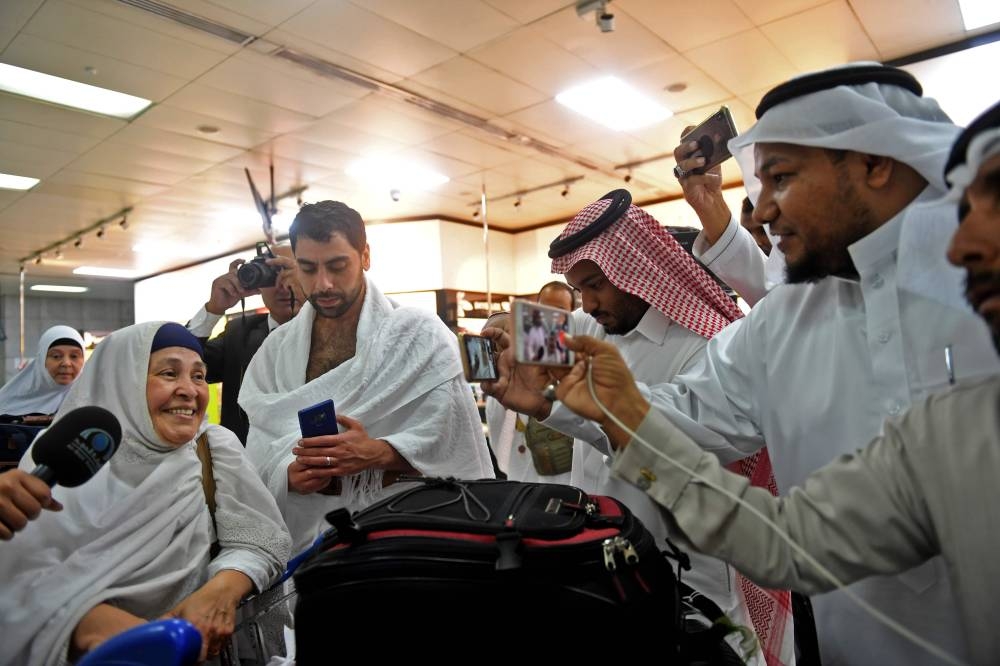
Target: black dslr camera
[255,273]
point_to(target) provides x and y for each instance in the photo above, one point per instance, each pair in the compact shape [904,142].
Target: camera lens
[256,274]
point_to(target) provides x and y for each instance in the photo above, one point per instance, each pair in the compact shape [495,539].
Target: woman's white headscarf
[32,390]
[138,534]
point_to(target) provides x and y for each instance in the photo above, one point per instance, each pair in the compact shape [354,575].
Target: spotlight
[394,193]
[38,260]
[517,202]
[475,214]
[605,21]
[124,223]
[78,242]
[59,252]
[565,191]
[101,231]
[628,176]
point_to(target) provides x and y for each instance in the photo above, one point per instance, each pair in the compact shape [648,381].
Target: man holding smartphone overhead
[393,373]
[642,292]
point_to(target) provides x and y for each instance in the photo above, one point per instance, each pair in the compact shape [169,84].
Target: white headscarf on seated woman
[137,536]
[34,390]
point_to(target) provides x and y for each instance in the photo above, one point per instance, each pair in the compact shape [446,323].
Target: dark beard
[630,317]
[816,266]
[347,302]
[982,280]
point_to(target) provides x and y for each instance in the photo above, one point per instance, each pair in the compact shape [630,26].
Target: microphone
[74,447]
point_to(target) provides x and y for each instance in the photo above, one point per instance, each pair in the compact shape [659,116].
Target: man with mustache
[228,354]
[925,487]
[393,373]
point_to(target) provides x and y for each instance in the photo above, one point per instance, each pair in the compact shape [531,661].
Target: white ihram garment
[404,384]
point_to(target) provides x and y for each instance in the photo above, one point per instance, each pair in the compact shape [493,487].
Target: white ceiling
[502,61]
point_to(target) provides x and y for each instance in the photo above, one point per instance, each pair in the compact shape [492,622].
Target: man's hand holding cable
[613,386]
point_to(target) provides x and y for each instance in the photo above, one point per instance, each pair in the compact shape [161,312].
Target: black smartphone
[320,419]
[479,357]
[538,332]
[713,136]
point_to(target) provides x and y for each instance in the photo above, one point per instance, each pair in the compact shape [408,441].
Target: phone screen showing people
[320,419]
[478,358]
[539,334]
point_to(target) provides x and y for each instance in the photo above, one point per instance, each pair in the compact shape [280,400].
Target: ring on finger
[329,463]
[680,173]
[550,393]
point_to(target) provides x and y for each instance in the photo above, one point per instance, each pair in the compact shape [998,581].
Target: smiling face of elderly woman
[176,393]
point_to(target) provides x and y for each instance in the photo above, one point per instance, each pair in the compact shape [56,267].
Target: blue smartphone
[320,419]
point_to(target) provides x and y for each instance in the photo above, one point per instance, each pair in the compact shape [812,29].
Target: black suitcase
[477,562]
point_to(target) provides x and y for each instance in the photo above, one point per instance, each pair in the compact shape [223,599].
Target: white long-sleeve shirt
[814,370]
[736,260]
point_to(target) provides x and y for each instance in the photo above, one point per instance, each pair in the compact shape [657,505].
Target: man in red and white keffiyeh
[644,293]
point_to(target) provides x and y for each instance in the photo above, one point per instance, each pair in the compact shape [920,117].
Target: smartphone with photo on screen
[320,419]
[712,136]
[479,357]
[539,334]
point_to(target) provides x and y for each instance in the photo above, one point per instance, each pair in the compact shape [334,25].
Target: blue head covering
[172,334]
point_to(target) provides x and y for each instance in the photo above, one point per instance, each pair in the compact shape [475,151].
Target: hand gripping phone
[538,334]
[713,136]
[479,357]
[320,419]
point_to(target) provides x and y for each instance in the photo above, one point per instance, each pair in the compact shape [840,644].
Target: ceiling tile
[14,14]
[526,11]
[685,25]
[172,119]
[288,173]
[42,55]
[654,79]
[33,161]
[300,150]
[94,32]
[423,90]
[300,44]
[822,37]
[631,44]
[480,85]
[368,37]
[772,10]
[617,149]
[265,11]
[527,56]
[44,137]
[743,62]
[556,120]
[467,147]
[281,83]
[384,117]
[349,139]
[458,24]
[238,109]
[178,144]
[40,114]
[901,27]
[133,188]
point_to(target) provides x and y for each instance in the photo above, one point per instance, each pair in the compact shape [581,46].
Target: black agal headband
[989,118]
[847,76]
[620,202]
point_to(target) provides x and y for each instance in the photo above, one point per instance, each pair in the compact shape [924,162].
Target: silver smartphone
[713,136]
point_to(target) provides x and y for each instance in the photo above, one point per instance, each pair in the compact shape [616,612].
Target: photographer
[228,355]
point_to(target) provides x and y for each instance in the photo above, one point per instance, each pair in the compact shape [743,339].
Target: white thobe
[656,350]
[814,370]
[735,259]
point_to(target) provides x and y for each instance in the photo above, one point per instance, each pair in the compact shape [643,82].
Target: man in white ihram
[846,168]
[393,373]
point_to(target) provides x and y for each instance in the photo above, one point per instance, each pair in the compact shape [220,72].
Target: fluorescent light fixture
[62,288]
[614,104]
[9,182]
[106,272]
[977,13]
[65,92]
[393,174]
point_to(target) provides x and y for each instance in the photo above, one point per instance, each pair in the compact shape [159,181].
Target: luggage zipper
[630,557]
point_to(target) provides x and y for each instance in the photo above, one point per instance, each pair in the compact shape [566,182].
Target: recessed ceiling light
[106,272]
[977,13]
[9,182]
[207,129]
[614,104]
[63,288]
[78,95]
[391,174]
[680,86]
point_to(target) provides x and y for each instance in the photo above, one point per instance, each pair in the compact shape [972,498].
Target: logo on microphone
[93,447]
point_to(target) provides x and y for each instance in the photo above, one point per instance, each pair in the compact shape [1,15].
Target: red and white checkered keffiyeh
[641,258]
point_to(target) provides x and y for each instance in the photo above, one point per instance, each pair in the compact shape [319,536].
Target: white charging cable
[809,559]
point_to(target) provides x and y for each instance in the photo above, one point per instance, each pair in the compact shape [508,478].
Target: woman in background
[41,385]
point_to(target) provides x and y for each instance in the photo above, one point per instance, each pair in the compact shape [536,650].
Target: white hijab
[872,118]
[138,534]
[32,390]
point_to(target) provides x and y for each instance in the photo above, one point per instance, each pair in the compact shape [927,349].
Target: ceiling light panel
[106,272]
[65,92]
[979,13]
[614,104]
[59,288]
[11,182]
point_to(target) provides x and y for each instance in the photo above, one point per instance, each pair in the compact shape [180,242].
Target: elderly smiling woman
[136,542]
